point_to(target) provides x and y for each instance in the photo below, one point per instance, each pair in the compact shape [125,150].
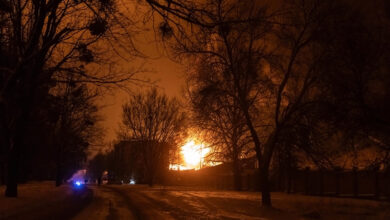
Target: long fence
[2,170]
[351,183]
[218,180]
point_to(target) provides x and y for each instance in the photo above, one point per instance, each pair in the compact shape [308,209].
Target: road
[142,202]
[42,200]
[139,202]
[119,202]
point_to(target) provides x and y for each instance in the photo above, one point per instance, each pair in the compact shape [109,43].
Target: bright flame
[193,154]
[178,167]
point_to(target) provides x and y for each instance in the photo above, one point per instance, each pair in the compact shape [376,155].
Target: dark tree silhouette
[274,62]
[231,36]
[97,166]
[125,162]
[220,118]
[358,83]
[154,121]
[43,42]
[75,128]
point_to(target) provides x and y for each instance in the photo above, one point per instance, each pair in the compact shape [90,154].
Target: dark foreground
[42,201]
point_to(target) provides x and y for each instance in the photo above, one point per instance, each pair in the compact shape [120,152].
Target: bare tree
[155,121]
[96,167]
[76,126]
[269,62]
[230,36]
[220,118]
[42,42]
[359,82]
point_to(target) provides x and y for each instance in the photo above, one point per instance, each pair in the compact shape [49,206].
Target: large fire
[193,154]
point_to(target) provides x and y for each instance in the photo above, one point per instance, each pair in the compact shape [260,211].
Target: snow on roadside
[35,199]
[184,202]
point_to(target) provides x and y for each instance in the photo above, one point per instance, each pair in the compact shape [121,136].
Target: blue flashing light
[78,184]
[132,182]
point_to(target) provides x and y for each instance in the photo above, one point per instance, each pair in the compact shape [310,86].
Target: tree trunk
[59,170]
[151,181]
[13,170]
[22,97]
[59,175]
[265,189]
[266,196]
[237,175]
[151,177]
[13,164]
[264,170]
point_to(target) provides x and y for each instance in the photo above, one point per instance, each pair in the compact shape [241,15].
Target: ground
[142,202]
[42,200]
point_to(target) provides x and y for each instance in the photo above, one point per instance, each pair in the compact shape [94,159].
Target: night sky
[166,74]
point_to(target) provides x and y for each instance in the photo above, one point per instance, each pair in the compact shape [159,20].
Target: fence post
[386,177]
[1,173]
[337,172]
[355,182]
[289,181]
[248,181]
[321,182]
[307,172]
[377,185]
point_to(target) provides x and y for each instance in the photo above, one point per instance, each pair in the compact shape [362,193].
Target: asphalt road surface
[43,201]
[120,202]
[142,202]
